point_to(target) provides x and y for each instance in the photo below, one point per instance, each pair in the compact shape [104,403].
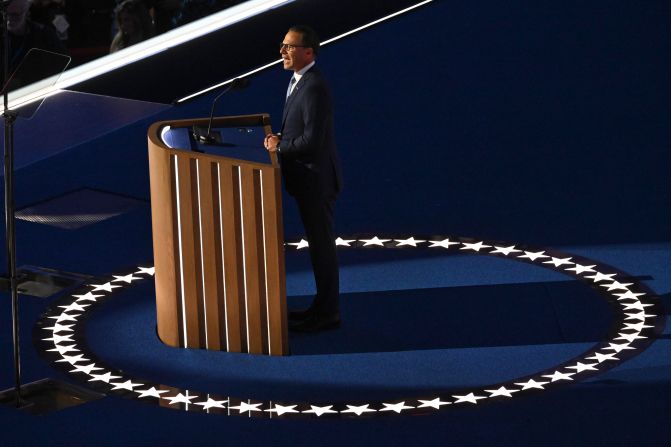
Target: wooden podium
[218,238]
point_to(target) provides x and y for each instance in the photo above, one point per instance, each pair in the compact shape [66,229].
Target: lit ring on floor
[639,319]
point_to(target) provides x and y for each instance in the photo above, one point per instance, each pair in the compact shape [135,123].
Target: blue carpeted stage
[528,122]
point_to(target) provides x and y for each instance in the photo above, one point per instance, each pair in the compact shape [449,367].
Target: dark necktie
[291,85]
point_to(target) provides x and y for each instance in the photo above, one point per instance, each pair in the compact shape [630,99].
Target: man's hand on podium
[271,142]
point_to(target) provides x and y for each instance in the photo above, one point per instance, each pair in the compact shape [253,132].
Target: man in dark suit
[311,171]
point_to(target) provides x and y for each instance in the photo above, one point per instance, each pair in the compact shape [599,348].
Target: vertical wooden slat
[254,263]
[188,215]
[275,273]
[211,254]
[166,276]
[233,269]
[176,252]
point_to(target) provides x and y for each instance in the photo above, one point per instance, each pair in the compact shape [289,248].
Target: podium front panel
[218,250]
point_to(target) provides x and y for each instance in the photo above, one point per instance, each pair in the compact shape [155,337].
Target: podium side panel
[166,267]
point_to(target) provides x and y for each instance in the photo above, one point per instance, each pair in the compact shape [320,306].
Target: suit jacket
[309,159]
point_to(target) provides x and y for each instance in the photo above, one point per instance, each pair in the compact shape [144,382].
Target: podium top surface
[239,138]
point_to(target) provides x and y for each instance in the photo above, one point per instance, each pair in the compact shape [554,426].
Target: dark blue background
[532,121]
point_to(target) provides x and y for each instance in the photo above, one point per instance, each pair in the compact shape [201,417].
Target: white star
[502,391]
[57,339]
[533,255]
[244,407]
[638,327]
[629,337]
[557,262]
[344,242]
[445,243]
[65,317]
[636,305]
[127,385]
[639,316]
[281,409]
[299,245]
[505,250]
[358,410]
[474,246]
[74,307]
[396,407]
[618,347]
[107,287]
[435,403]
[88,297]
[86,369]
[555,376]
[59,327]
[580,367]
[531,383]
[103,377]
[63,349]
[72,359]
[320,410]
[600,358]
[211,403]
[179,399]
[628,295]
[410,241]
[617,286]
[579,269]
[375,241]
[601,277]
[146,271]
[470,398]
[127,279]
[153,392]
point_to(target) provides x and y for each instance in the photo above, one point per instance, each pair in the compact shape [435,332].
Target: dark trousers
[317,216]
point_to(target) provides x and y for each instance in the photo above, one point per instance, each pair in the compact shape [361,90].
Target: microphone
[237,84]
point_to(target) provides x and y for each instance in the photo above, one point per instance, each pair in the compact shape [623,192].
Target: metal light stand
[44,395]
[9,119]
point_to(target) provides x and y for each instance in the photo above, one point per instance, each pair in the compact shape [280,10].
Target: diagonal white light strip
[148,48]
[326,42]
[375,22]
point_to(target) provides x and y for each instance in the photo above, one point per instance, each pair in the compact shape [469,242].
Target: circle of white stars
[61,337]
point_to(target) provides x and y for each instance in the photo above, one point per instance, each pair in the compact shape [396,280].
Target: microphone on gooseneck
[237,84]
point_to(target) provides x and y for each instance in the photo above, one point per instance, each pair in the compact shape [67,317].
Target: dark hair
[309,36]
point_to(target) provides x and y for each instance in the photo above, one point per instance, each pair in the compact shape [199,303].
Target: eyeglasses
[290,47]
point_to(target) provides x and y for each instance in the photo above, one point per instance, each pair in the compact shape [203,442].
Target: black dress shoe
[316,323]
[300,315]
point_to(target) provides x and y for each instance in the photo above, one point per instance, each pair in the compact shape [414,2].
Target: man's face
[17,12]
[296,57]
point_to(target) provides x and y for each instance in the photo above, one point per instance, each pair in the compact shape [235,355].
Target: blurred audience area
[88,29]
